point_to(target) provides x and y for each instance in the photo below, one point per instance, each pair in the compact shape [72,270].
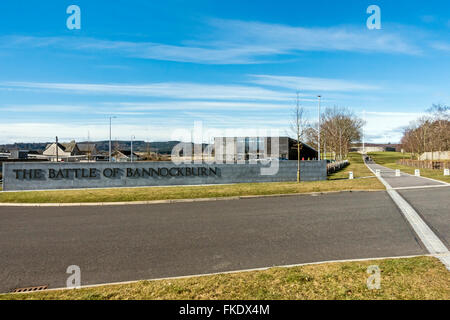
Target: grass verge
[389,159]
[407,278]
[357,166]
[186,192]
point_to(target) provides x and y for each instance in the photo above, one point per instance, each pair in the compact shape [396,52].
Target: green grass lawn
[356,165]
[407,278]
[186,192]
[389,159]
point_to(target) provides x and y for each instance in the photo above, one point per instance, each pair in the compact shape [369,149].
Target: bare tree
[311,136]
[440,119]
[340,127]
[429,133]
[299,126]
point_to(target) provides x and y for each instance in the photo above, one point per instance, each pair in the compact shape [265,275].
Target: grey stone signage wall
[47,176]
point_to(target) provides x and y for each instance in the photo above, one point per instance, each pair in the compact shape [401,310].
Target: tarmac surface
[134,242]
[122,243]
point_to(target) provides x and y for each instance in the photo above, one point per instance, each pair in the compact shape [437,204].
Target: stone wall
[437,155]
[47,176]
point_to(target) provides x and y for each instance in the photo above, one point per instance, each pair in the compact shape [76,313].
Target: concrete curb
[229,272]
[124,203]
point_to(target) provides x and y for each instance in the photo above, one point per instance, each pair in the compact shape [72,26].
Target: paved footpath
[405,180]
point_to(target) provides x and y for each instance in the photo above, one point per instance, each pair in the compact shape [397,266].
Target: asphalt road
[433,205]
[121,243]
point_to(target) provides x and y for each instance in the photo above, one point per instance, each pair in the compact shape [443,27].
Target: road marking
[421,187]
[445,259]
[429,239]
[432,242]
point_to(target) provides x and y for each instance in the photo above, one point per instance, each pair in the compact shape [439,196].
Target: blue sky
[159,66]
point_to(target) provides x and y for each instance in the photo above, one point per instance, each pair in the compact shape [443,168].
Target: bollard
[350,175]
[397,172]
[378,172]
[446,172]
[417,173]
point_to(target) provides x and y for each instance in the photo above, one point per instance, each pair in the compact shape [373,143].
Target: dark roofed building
[18,154]
[71,147]
[247,148]
[88,149]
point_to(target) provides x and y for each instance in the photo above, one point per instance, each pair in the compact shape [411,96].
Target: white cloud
[385,126]
[46,131]
[198,91]
[122,130]
[192,105]
[168,90]
[205,53]
[289,39]
[54,108]
[131,108]
[442,46]
[310,84]
[236,42]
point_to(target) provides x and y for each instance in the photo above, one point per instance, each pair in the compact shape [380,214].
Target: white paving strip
[429,239]
[445,259]
[432,242]
[421,187]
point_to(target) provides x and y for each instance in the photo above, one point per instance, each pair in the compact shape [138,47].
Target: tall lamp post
[318,135]
[131,153]
[57,149]
[110,125]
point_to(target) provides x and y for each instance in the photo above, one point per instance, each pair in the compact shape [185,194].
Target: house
[18,154]
[4,155]
[88,149]
[124,155]
[374,147]
[62,151]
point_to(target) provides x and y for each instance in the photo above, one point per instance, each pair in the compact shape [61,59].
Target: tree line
[429,133]
[339,129]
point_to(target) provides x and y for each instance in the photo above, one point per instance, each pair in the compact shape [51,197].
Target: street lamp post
[110,130]
[318,136]
[131,153]
[56,149]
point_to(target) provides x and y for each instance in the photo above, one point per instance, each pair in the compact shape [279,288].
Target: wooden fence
[425,164]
